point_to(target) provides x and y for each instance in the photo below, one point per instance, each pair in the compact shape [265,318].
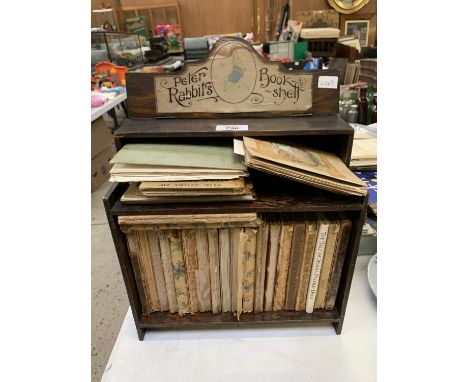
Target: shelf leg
[338,326]
[141,332]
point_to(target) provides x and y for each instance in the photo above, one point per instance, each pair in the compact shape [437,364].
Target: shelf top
[206,127]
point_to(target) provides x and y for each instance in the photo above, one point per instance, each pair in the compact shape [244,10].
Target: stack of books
[237,263]
[164,173]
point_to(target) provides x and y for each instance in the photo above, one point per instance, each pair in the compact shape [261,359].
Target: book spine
[273,249]
[147,270]
[235,235]
[260,266]
[240,259]
[202,274]
[309,247]
[213,251]
[328,255]
[282,268]
[297,250]
[158,227]
[334,283]
[158,270]
[316,266]
[189,250]
[225,268]
[178,270]
[248,281]
[133,249]
[167,267]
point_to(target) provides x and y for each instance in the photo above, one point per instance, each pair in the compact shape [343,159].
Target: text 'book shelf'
[273,195]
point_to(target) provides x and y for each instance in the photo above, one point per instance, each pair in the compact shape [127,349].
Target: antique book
[187,219]
[330,248]
[240,237]
[282,268]
[133,196]
[202,274]
[188,225]
[146,267]
[338,261]
[302,164]
[235,236]
[307,258]
[214,272]
[158,270]
[178,267]
[225,268]
[189,250]
[273,249]
[317,262]
[248,280]
[180,155]
[133,250]
[167,267]
[297,249]
[194,185]
[260,266]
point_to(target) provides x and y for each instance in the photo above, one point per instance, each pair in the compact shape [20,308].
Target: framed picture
[362,25]
[360,29]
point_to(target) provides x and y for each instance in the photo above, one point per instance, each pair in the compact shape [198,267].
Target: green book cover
[180,155]
[137,24]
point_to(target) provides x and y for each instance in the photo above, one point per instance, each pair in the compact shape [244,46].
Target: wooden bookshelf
[328,133]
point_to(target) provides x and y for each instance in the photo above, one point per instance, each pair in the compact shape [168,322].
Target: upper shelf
[206,127]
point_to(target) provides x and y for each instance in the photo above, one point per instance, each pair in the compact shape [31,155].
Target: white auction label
[232,127]
[328,82]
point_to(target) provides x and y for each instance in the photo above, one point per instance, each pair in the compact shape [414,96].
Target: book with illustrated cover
[295,262]
[147,275]
[317,262]
[153,244]
[338,261]
[189,251]
[260,265]
[302,164]
[272,259]
[235,237]
[225,268]
[307,258]
[282,268]
[248,280]
[167,267]
[202,273]
[330,248]
[213,252]
[240,237]
[178,270]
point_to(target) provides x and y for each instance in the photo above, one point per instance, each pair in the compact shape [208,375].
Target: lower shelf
[173,320]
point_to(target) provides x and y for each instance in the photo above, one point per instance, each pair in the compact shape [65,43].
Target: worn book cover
[317,262]
[194,185]
[149,282]
[178,269]
[260,266]
[133,250]
[282,269]
[248,281]
[176,154]
[272,258]
[307,258]
[213,252]
[301,163]
[240,238]
[235,236]
[297,249]
[187,219]
[167,266]
[153,244]
[338,261]
[330,248]
[189,250]
[225,268]
[202,273]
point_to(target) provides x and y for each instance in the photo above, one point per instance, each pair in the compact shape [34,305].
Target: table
[96,112]
[276,353]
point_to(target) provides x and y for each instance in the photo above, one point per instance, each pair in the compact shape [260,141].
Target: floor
[109,299]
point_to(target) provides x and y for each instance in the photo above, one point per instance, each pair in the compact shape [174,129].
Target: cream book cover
[153,244]
[189,251]
[282,269]
[202,274]
[167,267]
[273,249]
[213,252]
[178,267]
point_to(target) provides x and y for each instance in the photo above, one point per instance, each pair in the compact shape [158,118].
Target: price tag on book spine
[232,127]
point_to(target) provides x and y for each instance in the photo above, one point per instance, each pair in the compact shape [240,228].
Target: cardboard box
[100,167]
[101,137]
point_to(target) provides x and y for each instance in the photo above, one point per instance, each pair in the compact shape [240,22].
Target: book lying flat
[192,219]
[242,188]
[183,155]
[302,164]
[194,185]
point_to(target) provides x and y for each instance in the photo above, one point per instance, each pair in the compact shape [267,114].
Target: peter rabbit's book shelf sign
[234,79]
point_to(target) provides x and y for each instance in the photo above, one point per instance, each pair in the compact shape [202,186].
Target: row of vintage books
[237,262]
